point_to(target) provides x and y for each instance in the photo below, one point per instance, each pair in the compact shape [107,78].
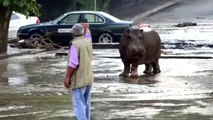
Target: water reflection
[3,73]
[17,74]
[143,79]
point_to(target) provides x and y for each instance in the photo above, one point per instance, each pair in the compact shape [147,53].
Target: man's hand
[67,82]
[86,27]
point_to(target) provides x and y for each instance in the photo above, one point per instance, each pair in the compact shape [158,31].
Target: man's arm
[72,65]
[87,32]
[67,81]
[88,35]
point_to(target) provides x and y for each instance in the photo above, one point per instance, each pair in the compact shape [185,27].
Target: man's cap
[77,29]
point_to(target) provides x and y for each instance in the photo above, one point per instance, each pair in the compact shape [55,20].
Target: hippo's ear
[127,31]
[140,35]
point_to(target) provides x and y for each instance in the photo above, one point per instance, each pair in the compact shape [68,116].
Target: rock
[185,24]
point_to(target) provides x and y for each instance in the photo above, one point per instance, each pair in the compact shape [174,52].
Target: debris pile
[184,24]
[36,43]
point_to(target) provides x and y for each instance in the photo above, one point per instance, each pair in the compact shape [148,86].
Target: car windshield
[58,18]
[111,17]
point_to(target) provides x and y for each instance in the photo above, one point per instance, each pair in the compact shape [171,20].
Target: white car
[17,20]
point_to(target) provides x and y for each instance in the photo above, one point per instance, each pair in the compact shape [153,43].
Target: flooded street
[182,91]
[31,88]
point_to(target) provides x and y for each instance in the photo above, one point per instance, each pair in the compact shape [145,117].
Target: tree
[6,8]
[102,5]
[51,9]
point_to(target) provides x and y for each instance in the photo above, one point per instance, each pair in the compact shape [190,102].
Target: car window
[71,18]
[93,18]
[14,17]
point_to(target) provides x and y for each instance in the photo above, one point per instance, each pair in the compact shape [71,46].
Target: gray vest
[83,75]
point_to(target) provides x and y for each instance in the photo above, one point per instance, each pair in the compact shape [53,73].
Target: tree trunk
[5,14]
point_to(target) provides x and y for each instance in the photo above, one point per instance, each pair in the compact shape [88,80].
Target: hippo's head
[135,48]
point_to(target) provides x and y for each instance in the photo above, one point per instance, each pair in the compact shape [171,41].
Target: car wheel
[36,39]
[36,35]
[105,38]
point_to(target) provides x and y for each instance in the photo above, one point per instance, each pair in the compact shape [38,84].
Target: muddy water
[31,88]
[182,91]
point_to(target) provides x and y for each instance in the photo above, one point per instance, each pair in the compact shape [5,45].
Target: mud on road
[31,88]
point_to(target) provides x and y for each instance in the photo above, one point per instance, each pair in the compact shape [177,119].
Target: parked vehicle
[17,20]
[104,27]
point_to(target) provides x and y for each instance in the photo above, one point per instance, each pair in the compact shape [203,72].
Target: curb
[170,57]
[185,57]
[5,56]
[105,46]
[155,10]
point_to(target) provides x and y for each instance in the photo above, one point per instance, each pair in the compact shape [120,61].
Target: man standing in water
[79,76]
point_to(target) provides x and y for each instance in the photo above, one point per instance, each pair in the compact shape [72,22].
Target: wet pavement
[182,91]
[31,87]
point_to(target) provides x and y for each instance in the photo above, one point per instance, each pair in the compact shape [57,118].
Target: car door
[64,26]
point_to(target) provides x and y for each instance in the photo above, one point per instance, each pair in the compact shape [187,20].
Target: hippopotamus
[138,46]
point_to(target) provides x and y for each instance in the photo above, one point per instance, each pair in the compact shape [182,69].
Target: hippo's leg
[156,67]
[134,70]
[126,70]
[148,69]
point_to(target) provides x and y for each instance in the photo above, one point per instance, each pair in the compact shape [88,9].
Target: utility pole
[95,5]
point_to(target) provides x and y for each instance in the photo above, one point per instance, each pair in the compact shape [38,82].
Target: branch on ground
[37,43]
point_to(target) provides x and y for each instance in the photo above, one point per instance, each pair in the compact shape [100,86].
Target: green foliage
[22,6]
[51,9]
[101,5]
